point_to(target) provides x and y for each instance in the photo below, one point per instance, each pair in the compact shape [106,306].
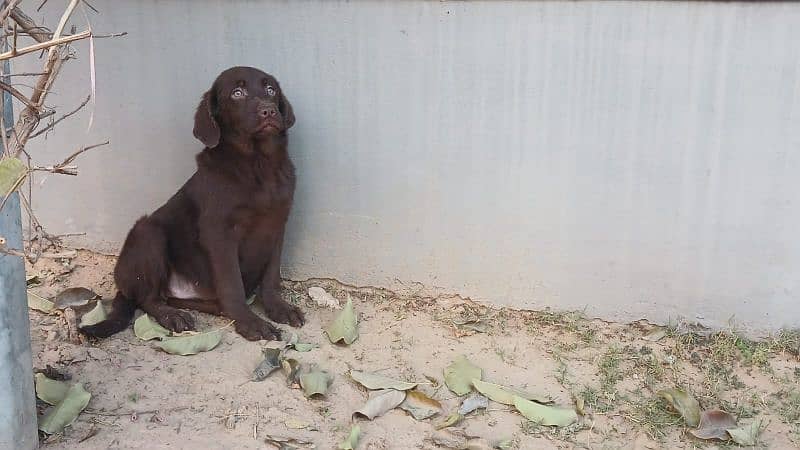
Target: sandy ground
[143,398]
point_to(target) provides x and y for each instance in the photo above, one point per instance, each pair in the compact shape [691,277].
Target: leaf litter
[420,406]
[345,327]
[472,403]
[459,374]
[380,402]
[270,363]
[374,381]
[66,410]
[684,404]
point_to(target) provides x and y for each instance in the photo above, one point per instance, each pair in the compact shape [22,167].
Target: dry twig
[56,45]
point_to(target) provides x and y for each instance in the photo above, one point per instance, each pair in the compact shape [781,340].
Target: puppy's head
[243,103]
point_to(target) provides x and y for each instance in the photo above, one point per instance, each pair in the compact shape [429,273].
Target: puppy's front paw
[283,312]
[257,330]
[177,321]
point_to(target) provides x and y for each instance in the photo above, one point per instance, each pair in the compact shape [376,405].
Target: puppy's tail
[118,319]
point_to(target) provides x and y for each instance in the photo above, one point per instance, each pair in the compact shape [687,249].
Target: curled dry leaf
[322,298]
[420,406]
[315,382]
[285,443]
[746,436]
[473,402]
[345,326]
[40,303]
[714,425]
[270,363]
[375,381]
[505,395]
[545,415]
[50,391]
[66,411]
[450,420]
[296,424]
[352,439]
[94,316]
[294,343]
[656,334]
[291,368]
[381,402]
[146,328]
[683,403]
[74,297]
[459,374]
[191,344]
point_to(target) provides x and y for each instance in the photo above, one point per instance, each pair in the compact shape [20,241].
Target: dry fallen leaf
[191,344]
[40,303]
[686,405]
[420,406]
[66,411]
[381,402]
[714,425]
[374,381]
[746,436]
[473,402]
[459,374]
[270,363]
[50,391]
[322,298]
[352,439]
[345,326]
[146,328]
[296,424]
[315,382]
[94,316]
[545,415]
[505,395]
[450,420]
[291,368]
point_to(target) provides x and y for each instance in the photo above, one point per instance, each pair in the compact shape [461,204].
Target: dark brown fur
[222,232]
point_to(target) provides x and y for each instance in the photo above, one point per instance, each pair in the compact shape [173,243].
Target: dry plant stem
[52,125]
[39,34]
[7,10]
[58,255]
[28,119]
[19,95]
[44,45]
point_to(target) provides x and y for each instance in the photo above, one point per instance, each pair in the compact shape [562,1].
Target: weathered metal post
[18,428]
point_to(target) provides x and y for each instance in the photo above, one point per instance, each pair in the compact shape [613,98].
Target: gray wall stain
[637,159]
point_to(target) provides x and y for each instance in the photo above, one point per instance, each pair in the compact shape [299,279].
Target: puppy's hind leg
[142,273]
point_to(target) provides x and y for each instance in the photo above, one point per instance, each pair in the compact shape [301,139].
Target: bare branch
[19,95]
[43,45]
[64,167]
[7,10]
[52,125]
[39,34]
[58,255]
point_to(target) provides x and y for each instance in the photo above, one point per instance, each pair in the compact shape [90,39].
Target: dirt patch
[145,398]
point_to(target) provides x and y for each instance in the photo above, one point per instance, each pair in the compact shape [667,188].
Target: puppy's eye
[270,91]
[238,93]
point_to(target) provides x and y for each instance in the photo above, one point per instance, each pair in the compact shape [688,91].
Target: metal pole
[18,427]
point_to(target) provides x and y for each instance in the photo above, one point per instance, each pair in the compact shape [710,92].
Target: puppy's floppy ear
[206,128]
[286,111]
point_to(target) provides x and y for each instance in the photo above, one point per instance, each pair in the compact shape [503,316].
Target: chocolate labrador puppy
[218,239]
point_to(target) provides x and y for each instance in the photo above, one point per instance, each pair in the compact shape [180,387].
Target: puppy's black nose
[268,111]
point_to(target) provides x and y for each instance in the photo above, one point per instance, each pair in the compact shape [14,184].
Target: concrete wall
[637,159]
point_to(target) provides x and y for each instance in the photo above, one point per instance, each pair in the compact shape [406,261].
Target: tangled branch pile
[36,118]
